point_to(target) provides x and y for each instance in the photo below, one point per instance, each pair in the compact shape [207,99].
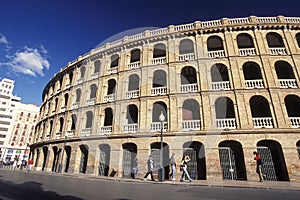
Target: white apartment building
[17,122]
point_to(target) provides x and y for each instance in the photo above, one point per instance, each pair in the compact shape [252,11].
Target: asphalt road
[21,186]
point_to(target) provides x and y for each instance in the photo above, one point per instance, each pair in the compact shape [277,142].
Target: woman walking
[183,167]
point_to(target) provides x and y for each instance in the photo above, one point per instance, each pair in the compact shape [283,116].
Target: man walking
[150,165]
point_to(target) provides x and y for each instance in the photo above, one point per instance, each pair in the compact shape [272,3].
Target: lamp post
[62,155]
[161,119]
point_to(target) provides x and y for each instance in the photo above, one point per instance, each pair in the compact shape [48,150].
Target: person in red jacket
[29,167]
[258,165]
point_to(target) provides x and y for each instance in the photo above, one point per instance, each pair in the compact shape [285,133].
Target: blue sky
[38,37]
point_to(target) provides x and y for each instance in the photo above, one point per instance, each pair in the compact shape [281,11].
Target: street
[20,185]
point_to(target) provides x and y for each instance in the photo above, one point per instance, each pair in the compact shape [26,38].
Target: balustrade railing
[94,76]
[130,128]
[216,54]
[247,52]
[75,105]
[132,94]
[71,133]
[211,23]
[292,19]
[68,86]
[79,81]
[258,83]
[160,60]
[267,19]
[244,20]
[287,83]
[58,135]
[113,70]
[228,123]
[63,109]
[222,85]
[263,122]
[188,56]
[189,87]
[156,126]
[295,122]
[184,27]
[106,129]
[278,51]
[109,98]
[86,132]
[158,91]
[191,125]
[90,102]
[134,65]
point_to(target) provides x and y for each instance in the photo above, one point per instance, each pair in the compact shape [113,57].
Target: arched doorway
[273,167]
[104,159]
[68,157]
[129,154]
[197,165]
[84,158]
[232,160]
[155,152]
[45,153]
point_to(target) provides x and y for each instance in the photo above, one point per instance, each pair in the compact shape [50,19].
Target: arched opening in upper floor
[82,71]
[275,40]
[191,115]
[133,83]
[298,39]
[78,95]
[159,50]
[159,79]
[252,75]
[215,43]
[132,114]
[244,41]
[114,61]
[186,46]
[97,65]
[135,55]
[93,89]
[261,113]
[285,74]
[108,118]
[111,86]
[89,119]
[292,104]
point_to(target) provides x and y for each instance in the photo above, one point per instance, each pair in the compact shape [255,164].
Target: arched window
[111,86]
[56,103]
[285,74]
[261,113]
[93,89]
[219,73]
[74,121]
[190,110]
[159,79]
[188,75]
[132,114]
[245,40]
[186,46]
[97,65]
[224,108]
[133,82]
[274,40]
[158,108]
[89,119]
[61,124]
[159,50]
[114,61]
[82,71]
[108,119]
[252,75]
[214,43]
[78,95]
[70,77]
[135,55]
[298,39]
[292,104]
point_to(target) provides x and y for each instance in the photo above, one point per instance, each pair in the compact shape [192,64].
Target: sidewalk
[283,185]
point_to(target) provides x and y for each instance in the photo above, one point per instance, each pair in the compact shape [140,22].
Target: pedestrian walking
[183,168]
[173,167]
[134,167]
[29,167]
[150,165]
[258,165]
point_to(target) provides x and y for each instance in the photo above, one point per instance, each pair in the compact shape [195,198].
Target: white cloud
[3,39]
[30,61]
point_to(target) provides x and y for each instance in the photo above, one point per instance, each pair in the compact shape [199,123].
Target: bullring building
[214,90]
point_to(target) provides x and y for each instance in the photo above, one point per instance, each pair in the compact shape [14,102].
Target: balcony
[295,122]
[57,135]
[188,56]
[94,76]
[109,98]
[287,83]
[75,105]
[228,123]
[130,128]
[251,84]
[113,70]
[106,130]
[277,51]
[247,52]
[216,54]
[90,102]
[47,137]
[158,91]
[189,88]
[156,126]
[222,85]
[134,65]
[68,86]
[86,132]
[132,94]
[79,81]
[63,109]
[188,125]
[160,60]
[71,133]
[263,122]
